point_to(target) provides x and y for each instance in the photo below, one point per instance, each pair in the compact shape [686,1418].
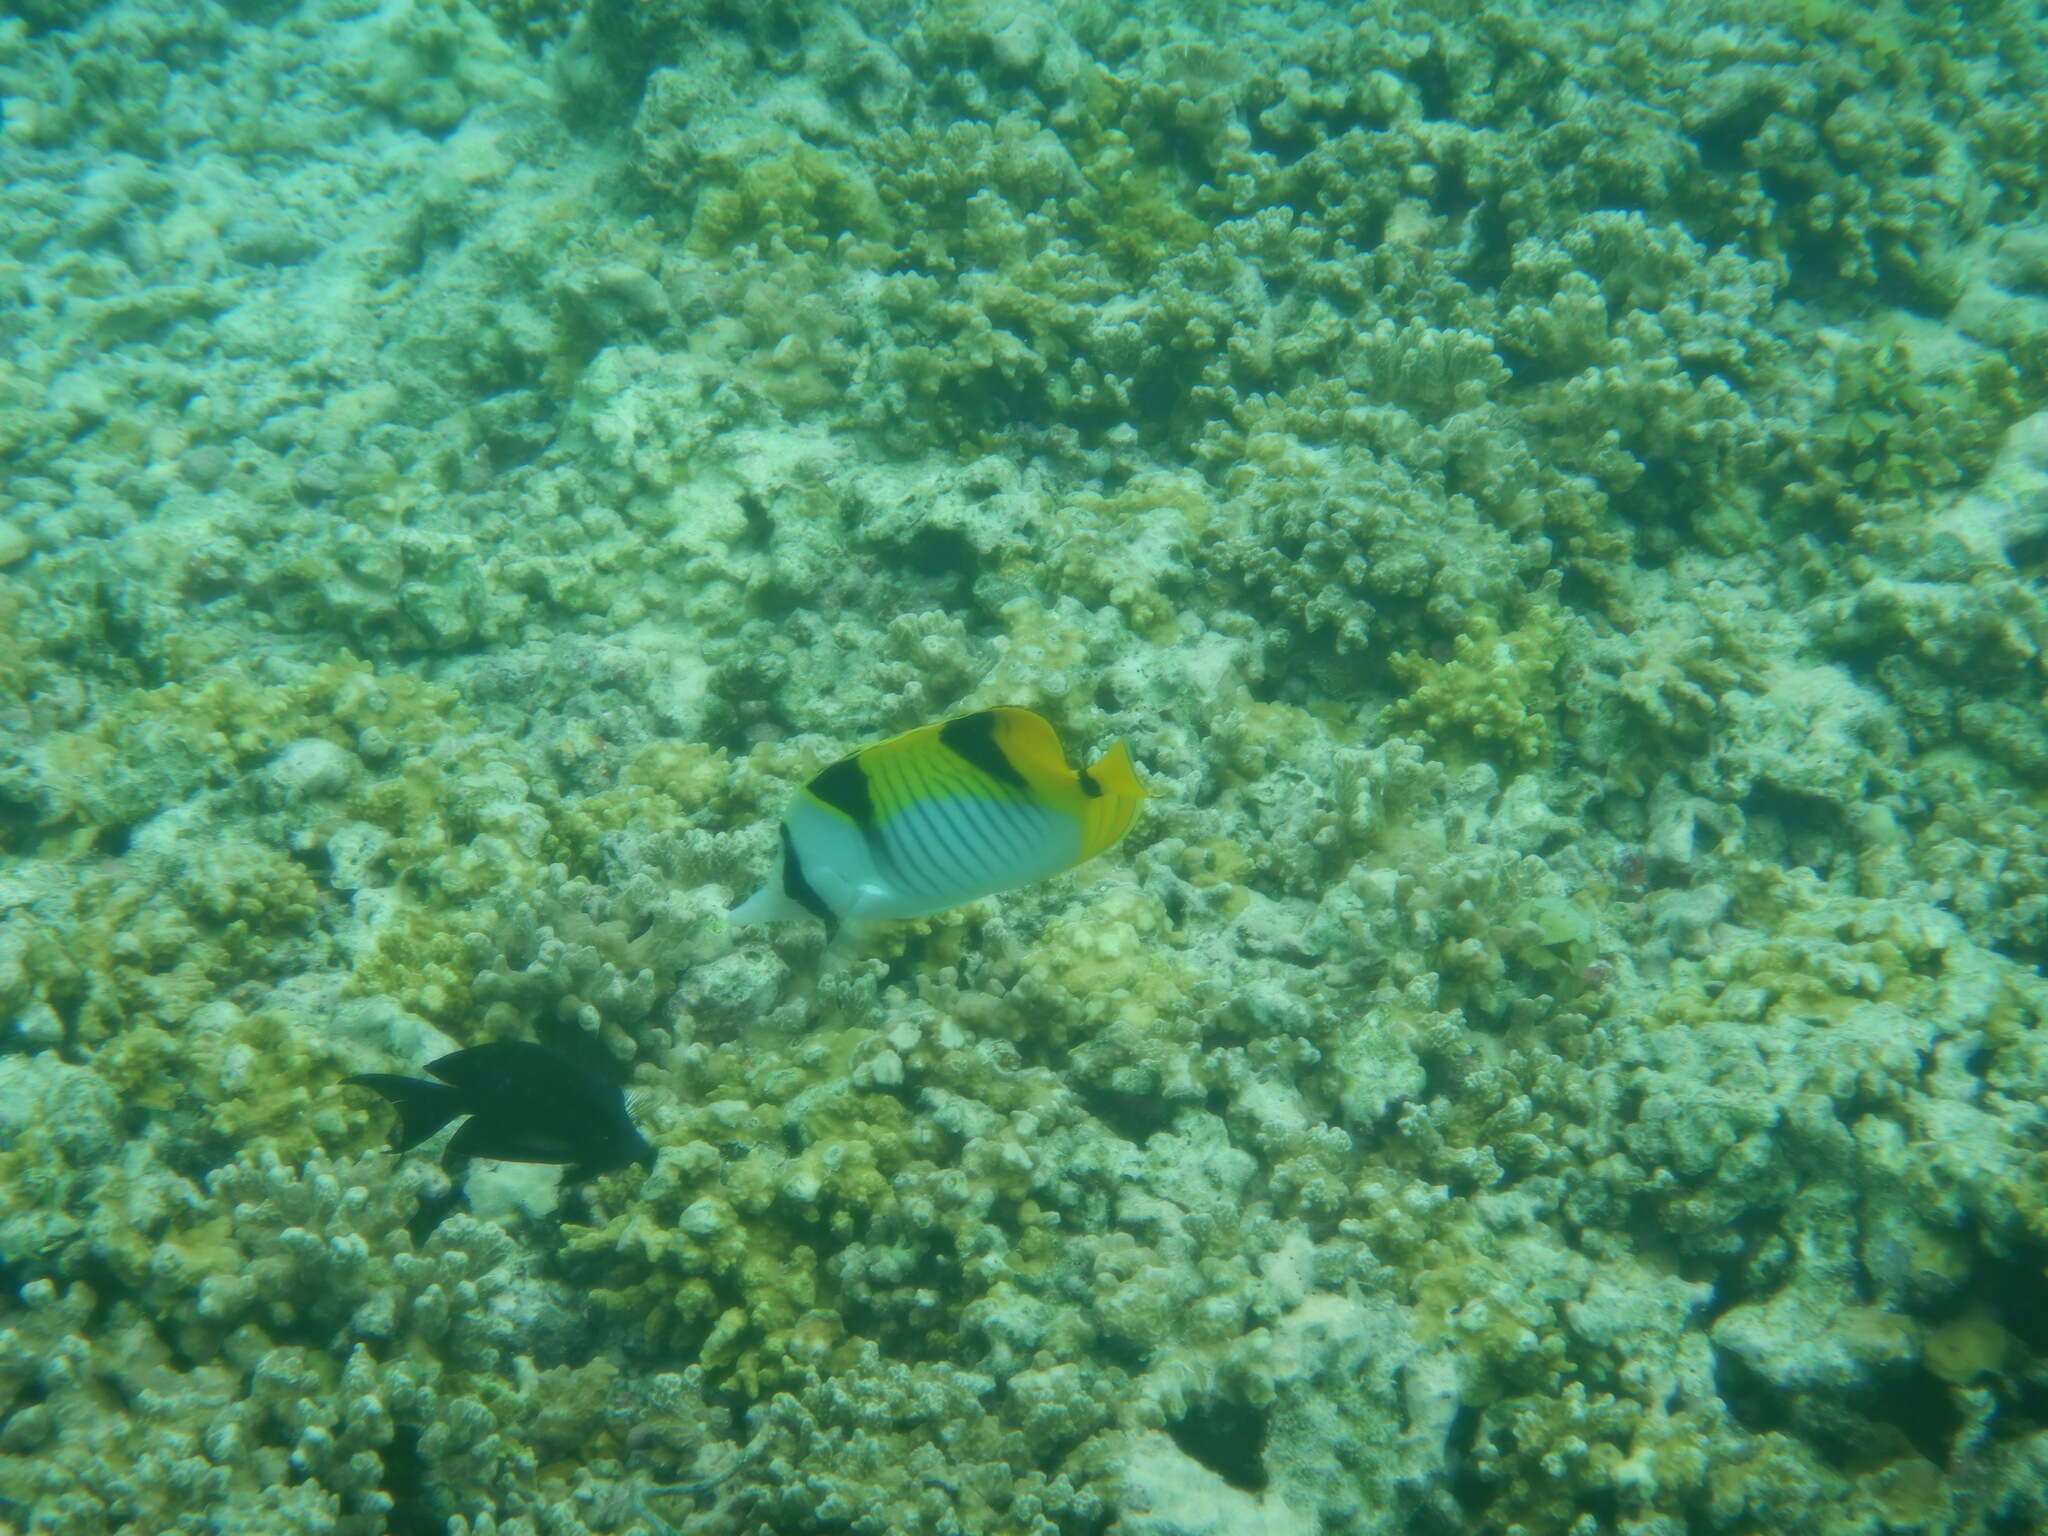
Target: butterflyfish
[943,815]
[526,1103]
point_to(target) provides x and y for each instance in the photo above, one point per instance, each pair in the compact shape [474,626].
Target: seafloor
[1552,497]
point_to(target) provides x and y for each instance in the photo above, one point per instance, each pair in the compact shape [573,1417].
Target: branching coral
[1549,499]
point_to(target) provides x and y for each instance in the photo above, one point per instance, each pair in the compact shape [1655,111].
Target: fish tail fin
[423,1107]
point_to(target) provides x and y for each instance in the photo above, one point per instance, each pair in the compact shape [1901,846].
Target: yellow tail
[1114,774]
[1107,815]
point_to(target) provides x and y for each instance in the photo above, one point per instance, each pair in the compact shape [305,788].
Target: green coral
[1897,434]
[1495,694]
[796,197]
[515,929]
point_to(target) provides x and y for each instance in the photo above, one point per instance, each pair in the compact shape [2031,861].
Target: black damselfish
[526,1104]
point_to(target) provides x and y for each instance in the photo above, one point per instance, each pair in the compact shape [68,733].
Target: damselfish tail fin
[423,1107]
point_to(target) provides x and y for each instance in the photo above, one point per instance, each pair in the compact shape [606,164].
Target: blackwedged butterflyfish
[942,815]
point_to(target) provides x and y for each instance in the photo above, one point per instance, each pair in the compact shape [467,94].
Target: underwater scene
[1023,768]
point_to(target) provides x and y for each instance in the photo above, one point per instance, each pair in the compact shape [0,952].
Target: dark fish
[526,1104]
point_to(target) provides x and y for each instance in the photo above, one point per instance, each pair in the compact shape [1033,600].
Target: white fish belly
[835,859]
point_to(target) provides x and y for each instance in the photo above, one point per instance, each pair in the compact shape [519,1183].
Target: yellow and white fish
[943,815]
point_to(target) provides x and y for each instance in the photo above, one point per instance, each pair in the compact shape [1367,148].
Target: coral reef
[1556,501]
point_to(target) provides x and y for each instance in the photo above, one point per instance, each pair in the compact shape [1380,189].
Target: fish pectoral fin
[767,905]
[871,897]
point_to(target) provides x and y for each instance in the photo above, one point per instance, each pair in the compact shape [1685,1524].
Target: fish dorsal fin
[487,1068]
[1112,774]
[998,753]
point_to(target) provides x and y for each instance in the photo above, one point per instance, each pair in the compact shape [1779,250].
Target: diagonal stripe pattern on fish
[942,815]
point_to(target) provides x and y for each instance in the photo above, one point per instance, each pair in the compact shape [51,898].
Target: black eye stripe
[796,887]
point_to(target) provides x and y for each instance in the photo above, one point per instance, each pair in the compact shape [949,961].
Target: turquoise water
[1555,500]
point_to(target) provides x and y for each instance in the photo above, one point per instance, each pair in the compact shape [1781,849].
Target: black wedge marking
[1088,785]
[798,889]
[844,787]
[972,738]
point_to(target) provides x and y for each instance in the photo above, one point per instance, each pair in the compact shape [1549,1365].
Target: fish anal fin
[767,905]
